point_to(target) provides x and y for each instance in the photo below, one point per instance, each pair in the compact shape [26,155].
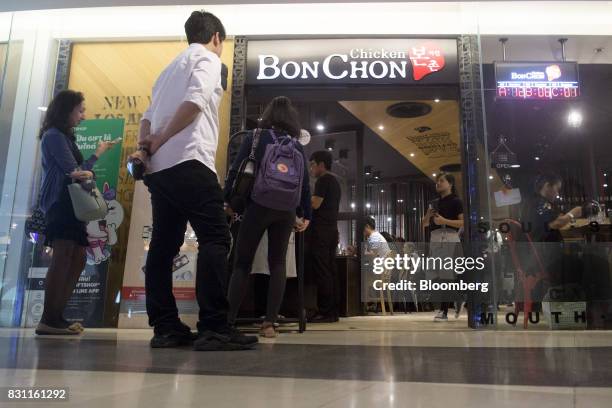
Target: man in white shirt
[376,244]
[179,136]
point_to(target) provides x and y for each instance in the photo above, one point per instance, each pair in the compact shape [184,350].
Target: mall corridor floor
[362,362]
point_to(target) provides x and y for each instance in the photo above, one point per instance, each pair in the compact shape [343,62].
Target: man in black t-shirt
[324,236]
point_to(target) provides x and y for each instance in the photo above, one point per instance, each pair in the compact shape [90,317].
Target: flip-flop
[45,330]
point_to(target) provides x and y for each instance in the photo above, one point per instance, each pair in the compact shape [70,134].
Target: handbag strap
[38,198]
[256,134]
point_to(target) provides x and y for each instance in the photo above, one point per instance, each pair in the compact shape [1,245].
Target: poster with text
[133,312]
[87,302]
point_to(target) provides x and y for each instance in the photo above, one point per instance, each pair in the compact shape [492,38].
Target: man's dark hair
[322,156]
[281,115]
[59,111]
[388,237]
[451,180]
[201,26]
[542,179]
[370,222]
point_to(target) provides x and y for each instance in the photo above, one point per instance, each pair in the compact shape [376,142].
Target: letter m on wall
[487,318]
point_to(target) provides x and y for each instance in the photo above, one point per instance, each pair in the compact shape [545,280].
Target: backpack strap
[256,134]
[281,141]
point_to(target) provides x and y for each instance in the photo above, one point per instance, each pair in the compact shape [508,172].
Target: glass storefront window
[547,123]
[10,57]
[496,140]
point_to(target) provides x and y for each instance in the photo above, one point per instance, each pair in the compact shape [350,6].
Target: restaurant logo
[358,63]
[551,73]
[425,60]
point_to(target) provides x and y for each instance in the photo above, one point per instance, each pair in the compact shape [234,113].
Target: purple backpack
[278,184]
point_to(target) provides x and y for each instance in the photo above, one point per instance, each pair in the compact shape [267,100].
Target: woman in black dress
[62,162]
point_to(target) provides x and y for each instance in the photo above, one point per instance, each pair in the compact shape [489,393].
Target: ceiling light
[368,170]
[381,127]
[574,119]
[389,219]
[414,209]
[434,174]
[368,205]
[320,127]
[352,205]
[376,175]
[605,185]
[436,100]
[490,177]
[537,158]
[382,191]
[329,145]
[411,154]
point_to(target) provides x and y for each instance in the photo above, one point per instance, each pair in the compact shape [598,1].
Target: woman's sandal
[267,330]
[76,326]
[46,330]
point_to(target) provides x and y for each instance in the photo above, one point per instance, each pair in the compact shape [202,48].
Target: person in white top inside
[178,141]
[376,244]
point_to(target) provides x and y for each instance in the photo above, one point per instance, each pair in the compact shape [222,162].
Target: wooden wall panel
[437,146]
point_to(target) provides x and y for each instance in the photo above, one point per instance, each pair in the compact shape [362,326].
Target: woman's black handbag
[245,178]
[36,222]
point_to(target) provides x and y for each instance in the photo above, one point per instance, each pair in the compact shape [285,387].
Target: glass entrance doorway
[388,146]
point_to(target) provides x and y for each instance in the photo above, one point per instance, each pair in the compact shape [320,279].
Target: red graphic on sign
[425,60]
[553,72]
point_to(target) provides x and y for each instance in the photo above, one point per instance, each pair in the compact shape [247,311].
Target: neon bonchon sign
[340,61]
[359,64]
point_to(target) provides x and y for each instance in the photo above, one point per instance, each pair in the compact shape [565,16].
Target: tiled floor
[378,363]
[107,389]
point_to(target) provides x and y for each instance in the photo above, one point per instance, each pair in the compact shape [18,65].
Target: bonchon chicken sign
[353,61]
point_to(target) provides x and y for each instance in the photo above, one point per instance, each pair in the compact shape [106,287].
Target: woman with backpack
[279,202]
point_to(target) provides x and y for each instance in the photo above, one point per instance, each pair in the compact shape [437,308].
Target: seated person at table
[542,216]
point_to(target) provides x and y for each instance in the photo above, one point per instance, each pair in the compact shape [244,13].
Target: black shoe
[324,319]
[225,339]
[173,339]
